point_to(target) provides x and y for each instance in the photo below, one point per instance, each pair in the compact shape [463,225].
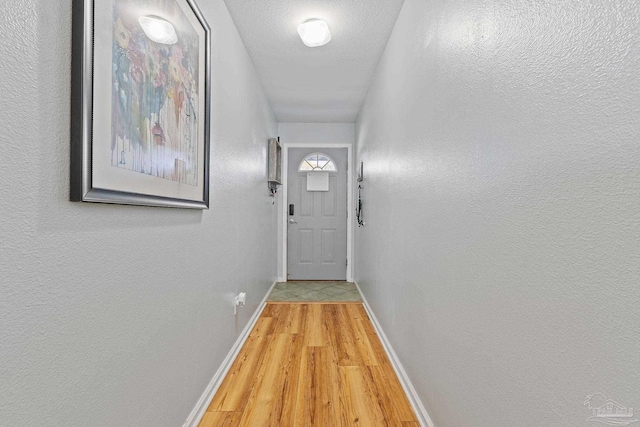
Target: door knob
[293,221]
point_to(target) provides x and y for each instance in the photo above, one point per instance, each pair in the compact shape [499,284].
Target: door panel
[329,199]
[317,232]
[328,245]
[305,198]
[306,246]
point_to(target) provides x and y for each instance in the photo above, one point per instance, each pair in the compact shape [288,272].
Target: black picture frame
[181,184]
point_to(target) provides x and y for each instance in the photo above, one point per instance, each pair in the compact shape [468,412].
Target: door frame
[285,210]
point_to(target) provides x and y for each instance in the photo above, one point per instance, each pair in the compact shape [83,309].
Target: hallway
[497,252]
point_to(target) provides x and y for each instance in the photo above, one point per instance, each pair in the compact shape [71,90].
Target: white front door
[317,220]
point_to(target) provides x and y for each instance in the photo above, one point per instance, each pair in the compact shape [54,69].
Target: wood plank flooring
[311,365]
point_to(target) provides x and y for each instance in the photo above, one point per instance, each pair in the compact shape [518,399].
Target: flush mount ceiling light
[158,30]
[314,32]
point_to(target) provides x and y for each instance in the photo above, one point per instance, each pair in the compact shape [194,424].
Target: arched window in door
[317,162]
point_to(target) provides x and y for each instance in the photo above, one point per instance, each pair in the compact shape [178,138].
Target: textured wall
[116,315]
[316,133]
[502,203]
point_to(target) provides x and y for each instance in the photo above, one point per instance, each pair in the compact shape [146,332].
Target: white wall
[116,315]
[501,251]
[316,133]
[310,133]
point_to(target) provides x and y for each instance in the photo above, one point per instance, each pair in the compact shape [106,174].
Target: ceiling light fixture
[158,30]
[314,32]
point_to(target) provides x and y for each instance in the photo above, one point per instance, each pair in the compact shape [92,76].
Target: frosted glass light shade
[314,33]
[158,30]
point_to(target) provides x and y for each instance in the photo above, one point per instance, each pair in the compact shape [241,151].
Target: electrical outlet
[239,301]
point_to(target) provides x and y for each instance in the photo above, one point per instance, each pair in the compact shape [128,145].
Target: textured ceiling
[322,84]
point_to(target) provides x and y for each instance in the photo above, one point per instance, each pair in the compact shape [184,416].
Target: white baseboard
[205,400]
[423,416]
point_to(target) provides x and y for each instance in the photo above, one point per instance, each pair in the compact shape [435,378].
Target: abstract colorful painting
[140,130]
[155,92]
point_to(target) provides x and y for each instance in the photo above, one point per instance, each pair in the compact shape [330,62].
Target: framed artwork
[140,103]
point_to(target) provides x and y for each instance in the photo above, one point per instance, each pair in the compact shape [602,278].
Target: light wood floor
[311,365]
